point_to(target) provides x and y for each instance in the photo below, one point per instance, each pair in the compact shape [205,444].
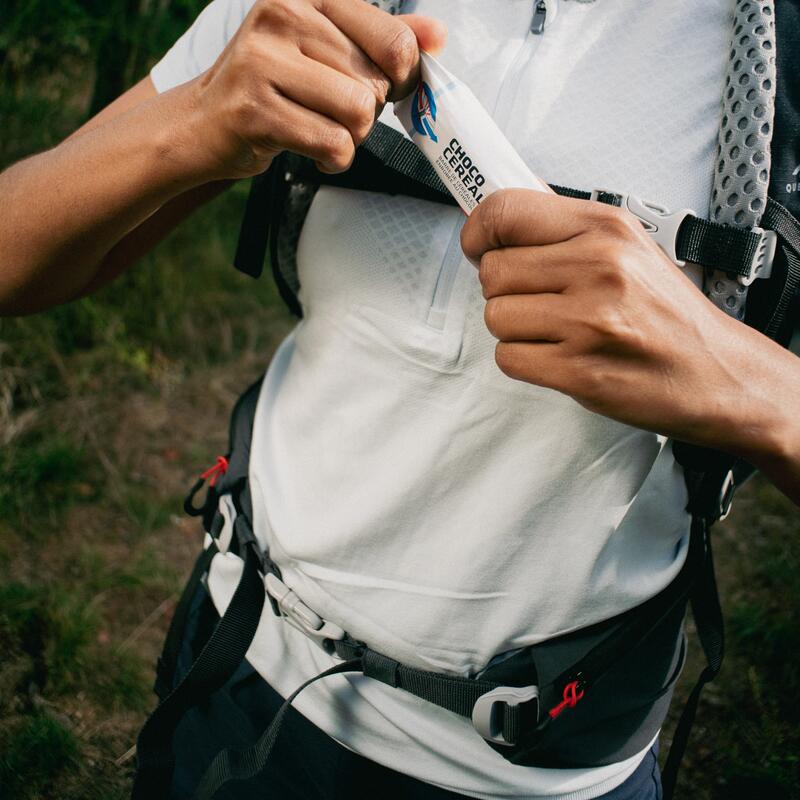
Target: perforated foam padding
[741,176]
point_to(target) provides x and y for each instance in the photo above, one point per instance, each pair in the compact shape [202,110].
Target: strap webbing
[714,245]
[402,156]
[251,249]
[780,220]
[453,693]
[217,662]
[167,662]
[389,162]
[238,765]
[708,619]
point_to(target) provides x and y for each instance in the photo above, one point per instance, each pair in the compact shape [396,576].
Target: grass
[110,406]
[746,743]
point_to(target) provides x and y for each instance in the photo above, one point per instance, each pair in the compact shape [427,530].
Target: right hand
[310,76]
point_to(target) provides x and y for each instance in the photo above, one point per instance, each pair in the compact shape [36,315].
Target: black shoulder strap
[784,183]
[707,614]
[218,660]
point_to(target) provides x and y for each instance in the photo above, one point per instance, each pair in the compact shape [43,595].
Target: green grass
[108,408]
[34,752]
[39,472]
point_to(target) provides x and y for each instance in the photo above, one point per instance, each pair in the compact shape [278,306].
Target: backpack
[528,704]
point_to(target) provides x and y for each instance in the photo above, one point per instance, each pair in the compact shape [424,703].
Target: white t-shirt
[411,492]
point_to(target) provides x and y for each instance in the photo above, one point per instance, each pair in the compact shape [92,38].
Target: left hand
[584,302]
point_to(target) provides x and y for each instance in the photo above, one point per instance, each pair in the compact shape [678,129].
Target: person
[449,463]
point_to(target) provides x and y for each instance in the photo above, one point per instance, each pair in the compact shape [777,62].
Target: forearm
[760,412]
[68,208]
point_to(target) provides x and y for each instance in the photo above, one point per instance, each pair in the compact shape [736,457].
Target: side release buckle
[658,221]
[321,631]
[489,711]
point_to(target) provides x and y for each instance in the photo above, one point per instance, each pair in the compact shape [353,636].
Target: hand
[309,76]
[584,302]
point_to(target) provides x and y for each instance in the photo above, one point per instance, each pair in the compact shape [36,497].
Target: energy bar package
[456,134]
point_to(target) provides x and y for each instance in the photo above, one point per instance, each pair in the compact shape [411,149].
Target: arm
[308,76]
[74,215]
[584,302]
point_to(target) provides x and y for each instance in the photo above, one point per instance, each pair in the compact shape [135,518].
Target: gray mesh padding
[741,175]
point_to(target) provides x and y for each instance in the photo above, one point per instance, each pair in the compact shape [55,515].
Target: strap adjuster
[761,265]
[489,711]
[321,631]
[661,223]
[726,493]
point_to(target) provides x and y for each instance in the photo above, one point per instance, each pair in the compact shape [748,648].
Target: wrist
[185,145]
[764,430]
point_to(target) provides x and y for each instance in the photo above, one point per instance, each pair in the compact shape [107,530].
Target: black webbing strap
[714,245]
[238,765]
[708,619]
[389,162]
[251,249]
[168,660]
[402,156]
[453,693]
[218,660]
[780,220]
[700,241]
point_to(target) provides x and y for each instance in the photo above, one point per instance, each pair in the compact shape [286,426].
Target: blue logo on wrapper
[423,111]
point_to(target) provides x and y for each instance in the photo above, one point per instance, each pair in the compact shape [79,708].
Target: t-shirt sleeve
[199,47]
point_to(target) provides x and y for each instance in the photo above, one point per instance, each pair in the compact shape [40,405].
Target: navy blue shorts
[306,764]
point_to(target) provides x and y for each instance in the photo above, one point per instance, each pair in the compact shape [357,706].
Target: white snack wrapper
[456,134]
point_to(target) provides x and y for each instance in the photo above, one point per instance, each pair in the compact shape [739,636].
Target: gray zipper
[437,313]
[539,16]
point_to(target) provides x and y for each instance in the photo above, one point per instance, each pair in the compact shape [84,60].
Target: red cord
[220,468]
[571,697]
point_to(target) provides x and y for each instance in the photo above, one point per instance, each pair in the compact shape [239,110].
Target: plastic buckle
[726,495]
[761,265]
[658,221]
[300,616]
[489,709]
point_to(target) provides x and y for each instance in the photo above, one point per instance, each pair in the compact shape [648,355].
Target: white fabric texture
[409,491]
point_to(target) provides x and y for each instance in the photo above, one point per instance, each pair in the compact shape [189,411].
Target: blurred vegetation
[109,407]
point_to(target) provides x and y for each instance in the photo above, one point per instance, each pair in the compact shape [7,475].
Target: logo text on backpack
[794,186]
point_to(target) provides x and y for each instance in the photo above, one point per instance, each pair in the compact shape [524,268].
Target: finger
[325,43]
[541,363]
[528,317]
[387,40]
[526,270]
[333,94]
[518,217]
[310,134]
[431,33]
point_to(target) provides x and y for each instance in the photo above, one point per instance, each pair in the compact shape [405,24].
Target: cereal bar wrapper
[462,142]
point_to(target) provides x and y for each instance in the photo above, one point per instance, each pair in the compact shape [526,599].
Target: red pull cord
[571,697]
[219,469]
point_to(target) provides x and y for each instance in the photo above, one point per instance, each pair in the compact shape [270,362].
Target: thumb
[431,33]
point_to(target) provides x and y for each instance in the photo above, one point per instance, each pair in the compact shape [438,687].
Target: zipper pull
[539,17]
